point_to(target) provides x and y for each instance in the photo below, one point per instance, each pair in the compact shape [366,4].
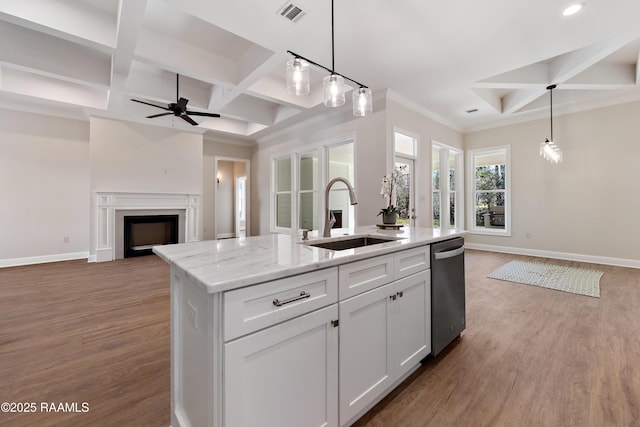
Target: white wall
[44,187]
[138,158]
[588,204]
[132,157]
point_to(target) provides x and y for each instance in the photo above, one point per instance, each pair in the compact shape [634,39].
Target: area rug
[568,279]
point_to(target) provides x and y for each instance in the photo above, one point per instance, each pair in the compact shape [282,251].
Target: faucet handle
[305,234]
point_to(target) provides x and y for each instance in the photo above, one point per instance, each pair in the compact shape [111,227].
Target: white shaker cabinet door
[365,362]
[284,376]
[412,321]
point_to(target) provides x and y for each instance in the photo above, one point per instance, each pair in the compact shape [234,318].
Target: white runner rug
[568,279]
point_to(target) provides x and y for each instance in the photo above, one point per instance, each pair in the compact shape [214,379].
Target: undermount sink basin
[351,242]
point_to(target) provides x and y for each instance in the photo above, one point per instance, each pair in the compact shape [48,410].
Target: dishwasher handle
[449,254]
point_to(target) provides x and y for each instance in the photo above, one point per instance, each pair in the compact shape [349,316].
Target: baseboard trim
[594,259]
[15,262]
[225,236]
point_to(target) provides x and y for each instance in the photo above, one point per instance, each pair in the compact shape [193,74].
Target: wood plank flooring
[79,332]
[530,357]
[99,333]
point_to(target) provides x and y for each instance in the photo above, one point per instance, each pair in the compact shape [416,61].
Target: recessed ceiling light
[572,9]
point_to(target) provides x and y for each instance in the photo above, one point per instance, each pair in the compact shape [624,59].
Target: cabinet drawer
[411,261]
[256,307]
[361,276]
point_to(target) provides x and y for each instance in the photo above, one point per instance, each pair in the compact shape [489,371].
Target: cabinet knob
[400,294]
[392,297]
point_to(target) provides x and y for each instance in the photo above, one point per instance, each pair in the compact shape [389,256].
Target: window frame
[322,151]
[445,192]
[471,183]
[274,194]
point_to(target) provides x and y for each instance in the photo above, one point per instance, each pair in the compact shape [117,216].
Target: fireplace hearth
[143,232]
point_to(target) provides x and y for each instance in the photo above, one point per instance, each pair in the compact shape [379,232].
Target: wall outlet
[65,239]
[192,313]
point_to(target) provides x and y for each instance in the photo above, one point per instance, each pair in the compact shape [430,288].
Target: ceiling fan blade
[148,103]
[189,120]
[182,104]
[197,113]
[159,115]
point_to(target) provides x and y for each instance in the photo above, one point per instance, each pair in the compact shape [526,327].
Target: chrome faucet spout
[329,218]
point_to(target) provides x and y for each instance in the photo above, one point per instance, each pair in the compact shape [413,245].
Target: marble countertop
[221,265]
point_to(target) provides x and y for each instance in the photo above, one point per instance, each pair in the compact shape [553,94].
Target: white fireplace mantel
[108,203]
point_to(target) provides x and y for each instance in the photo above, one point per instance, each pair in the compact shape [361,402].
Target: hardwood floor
[99,333]
[79,332]
[530,357]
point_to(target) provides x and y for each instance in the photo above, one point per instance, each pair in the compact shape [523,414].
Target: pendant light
[333,84]
[362,103]
[548,149]
[298,77]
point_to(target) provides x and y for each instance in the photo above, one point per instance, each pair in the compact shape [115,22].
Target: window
[446,193]
[308,191]
[340,162]
[299,179]
[282,179]
[489,178]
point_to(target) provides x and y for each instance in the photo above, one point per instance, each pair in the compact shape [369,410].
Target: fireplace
[142,233]
[112,208]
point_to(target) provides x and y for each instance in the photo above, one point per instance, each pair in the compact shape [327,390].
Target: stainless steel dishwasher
[448,318]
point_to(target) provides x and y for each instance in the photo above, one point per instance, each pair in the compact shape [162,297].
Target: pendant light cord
[551,88]
[333,45]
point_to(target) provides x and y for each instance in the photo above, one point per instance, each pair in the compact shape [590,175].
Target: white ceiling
[81,58]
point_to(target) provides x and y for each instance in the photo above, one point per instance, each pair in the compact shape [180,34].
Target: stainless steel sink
[341,244]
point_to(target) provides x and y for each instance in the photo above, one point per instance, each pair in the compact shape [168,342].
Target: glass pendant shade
[362,103]
[333,90]
[298,77]
[550,151]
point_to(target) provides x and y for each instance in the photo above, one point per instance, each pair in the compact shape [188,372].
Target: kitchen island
[273,331]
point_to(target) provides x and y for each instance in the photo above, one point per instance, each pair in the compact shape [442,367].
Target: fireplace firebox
[142,233]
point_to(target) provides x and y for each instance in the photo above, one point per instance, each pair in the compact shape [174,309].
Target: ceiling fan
[178,108]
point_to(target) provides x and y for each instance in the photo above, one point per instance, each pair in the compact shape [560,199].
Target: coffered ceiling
[82,58]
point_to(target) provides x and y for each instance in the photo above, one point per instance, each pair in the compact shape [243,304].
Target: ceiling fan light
[298,82]
[362,103]
[333,86]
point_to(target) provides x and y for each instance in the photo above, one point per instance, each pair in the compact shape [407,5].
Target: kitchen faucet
[329,219]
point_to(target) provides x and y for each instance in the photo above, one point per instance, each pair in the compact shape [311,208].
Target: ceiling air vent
[292,12]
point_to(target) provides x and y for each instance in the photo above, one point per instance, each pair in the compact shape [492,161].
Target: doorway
[241,203]
[231,198]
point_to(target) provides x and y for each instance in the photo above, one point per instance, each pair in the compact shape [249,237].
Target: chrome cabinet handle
[400,294]
[279,303]
[392,297]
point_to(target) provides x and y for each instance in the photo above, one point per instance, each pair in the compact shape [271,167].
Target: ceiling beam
[603,77]
[566,66]
[532,75]
[130,16]
[251,71]
[491,97]
[517,99]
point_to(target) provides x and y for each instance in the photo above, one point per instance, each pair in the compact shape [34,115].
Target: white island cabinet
[267,331]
